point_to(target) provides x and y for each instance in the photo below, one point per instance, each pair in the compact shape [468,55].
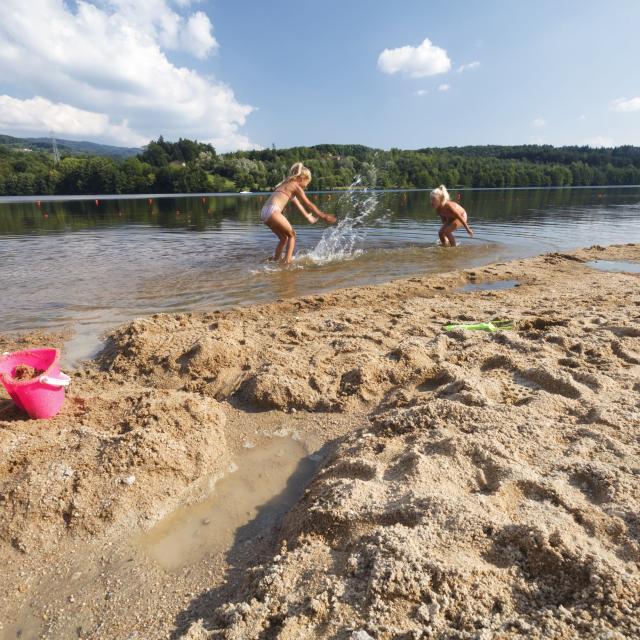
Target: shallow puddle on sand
[267,481]
[81,346]
[489,286]
[247,504]
[616,266]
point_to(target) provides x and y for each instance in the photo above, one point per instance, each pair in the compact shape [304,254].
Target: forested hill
[188,166]
[68,147]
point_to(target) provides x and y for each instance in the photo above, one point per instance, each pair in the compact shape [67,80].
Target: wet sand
[471,484]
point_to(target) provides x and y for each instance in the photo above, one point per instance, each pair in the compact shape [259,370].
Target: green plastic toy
[492,326]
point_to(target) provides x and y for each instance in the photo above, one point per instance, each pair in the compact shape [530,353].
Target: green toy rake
[491,326]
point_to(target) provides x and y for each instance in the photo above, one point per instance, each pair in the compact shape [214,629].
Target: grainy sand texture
[473,485]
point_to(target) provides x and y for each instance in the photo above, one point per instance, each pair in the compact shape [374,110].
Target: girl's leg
[443,238]
[280,247]
[282,237]
[281,227]
[291,244]
[448,230]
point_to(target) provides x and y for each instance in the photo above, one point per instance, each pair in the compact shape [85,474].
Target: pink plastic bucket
[40,397]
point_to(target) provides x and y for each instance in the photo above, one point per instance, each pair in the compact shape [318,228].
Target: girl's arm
[300,195]
[311,219]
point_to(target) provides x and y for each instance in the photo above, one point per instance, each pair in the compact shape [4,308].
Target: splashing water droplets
[341,242]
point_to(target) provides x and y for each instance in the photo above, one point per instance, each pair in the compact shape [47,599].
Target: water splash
[344,240]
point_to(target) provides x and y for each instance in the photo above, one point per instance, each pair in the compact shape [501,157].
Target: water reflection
[206,213]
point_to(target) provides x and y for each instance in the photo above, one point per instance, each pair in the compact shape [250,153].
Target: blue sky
[247,73]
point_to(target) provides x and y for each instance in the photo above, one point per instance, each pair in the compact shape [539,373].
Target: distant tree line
[188,166]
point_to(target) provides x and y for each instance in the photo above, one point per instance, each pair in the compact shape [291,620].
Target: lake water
[90,266]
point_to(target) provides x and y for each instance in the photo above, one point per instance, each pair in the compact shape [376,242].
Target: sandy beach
[467,484]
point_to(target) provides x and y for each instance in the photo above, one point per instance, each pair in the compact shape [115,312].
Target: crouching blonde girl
[453,216]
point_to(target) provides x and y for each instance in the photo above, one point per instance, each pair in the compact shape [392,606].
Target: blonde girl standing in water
[291,189]
[453,216]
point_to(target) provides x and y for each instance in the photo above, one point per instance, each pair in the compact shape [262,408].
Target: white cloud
[109,61]
[421,92]
[466,67]
[539,123]
[196,36]
[622,104]
[156,19]
[599,141]
[417,62]
[444,87]
[39,115]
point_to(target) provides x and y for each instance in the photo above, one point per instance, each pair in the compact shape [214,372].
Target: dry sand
[488,485]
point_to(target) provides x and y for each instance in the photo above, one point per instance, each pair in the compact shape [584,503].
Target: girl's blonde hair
[298,170]
[441,193]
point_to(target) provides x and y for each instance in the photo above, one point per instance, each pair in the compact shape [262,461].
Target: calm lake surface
[90,266]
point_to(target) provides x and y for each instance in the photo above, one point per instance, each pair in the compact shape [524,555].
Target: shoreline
[172,398]
[219,194]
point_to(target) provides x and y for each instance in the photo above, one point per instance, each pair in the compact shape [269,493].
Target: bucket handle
[62,381]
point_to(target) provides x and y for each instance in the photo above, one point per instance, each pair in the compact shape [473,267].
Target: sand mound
[459,521]
[312,363]
[110,458]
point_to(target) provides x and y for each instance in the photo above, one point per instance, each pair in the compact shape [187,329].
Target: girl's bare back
[449,209]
